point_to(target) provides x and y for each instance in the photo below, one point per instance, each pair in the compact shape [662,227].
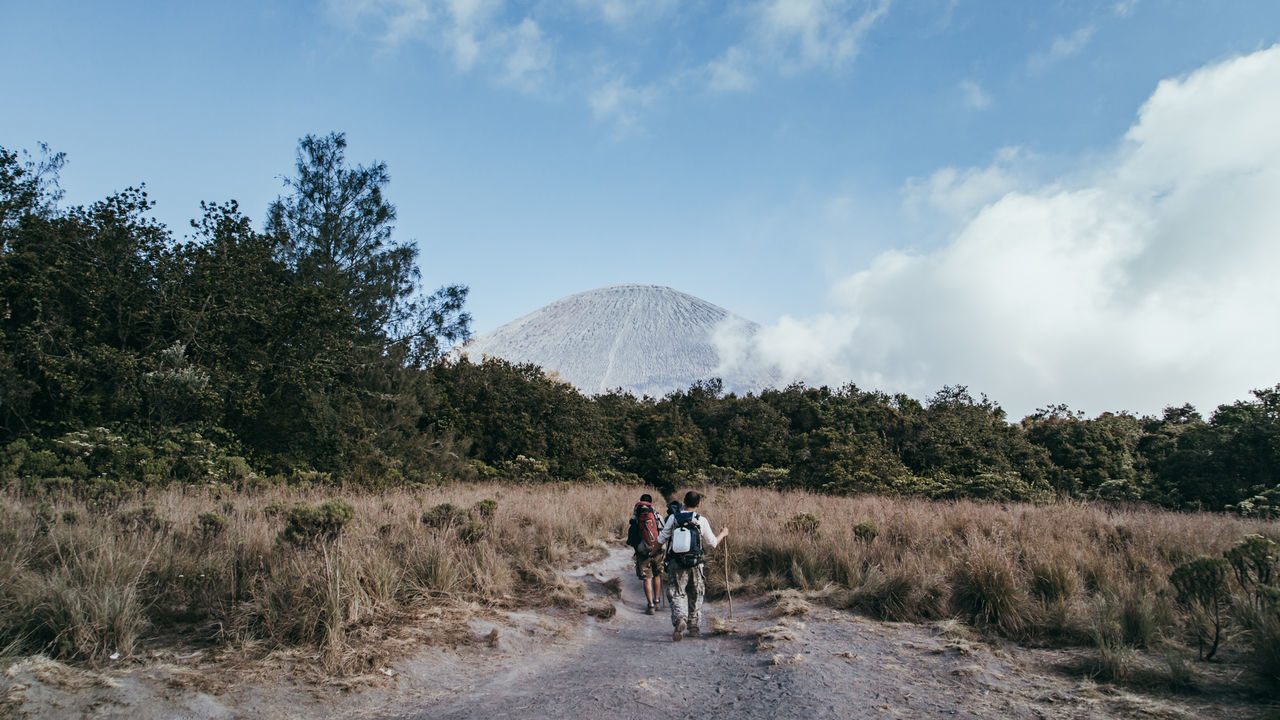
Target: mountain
[644,339]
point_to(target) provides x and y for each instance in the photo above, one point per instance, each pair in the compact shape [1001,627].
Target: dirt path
[821,664]
[818,663]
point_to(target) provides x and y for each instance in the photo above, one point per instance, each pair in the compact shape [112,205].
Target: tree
[335,230]
[80,309]
[27,187]
[1095,457]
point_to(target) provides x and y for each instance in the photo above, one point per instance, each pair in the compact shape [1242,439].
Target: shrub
[140,518]
[486,508]
[211,524]
[473,532]
[526,469]
[316,523]
[1201,585]
[234,469]
[443,516]
[803,524]
[866,531]
[1254,562]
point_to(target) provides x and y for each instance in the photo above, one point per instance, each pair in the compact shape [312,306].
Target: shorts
[650,566]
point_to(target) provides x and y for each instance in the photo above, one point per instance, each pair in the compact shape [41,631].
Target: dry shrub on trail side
[1065,573]
[281,568]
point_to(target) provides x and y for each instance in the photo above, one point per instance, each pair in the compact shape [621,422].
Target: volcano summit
[644,339]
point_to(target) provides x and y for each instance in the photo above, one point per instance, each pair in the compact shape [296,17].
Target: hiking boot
[649,610]
[679,633]
[695,632]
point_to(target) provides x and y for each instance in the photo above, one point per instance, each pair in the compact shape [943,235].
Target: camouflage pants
[687,586]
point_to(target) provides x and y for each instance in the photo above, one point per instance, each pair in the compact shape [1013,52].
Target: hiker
[642,535]
[688,532]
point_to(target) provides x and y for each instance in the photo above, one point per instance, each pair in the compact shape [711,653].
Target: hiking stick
[728,591]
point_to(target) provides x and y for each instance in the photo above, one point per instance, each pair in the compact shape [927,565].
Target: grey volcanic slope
[645,339]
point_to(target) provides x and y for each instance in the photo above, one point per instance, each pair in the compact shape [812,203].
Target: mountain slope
[645,339]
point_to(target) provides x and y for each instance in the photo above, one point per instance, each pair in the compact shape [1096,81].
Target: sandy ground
[816,663]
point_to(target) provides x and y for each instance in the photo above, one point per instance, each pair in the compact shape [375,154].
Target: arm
[665,534]
[710,538]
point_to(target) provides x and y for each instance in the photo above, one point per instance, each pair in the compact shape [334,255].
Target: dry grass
[1062,574]
[209,565]
[214,566]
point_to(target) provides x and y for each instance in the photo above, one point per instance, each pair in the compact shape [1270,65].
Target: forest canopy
[307,351]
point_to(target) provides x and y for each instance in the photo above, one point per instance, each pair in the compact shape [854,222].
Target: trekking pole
[728,591]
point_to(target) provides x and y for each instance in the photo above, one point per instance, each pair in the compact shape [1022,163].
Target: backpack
[645,522]
[686,541]
[633,533]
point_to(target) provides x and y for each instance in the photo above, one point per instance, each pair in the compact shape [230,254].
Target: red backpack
[647,521]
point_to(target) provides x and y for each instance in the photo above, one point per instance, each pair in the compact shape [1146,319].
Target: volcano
[642,339]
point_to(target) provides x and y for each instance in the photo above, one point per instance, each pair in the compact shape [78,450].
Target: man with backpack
[642,535]
[689,533]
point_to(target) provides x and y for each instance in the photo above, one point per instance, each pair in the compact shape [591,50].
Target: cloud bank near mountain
[1145,277]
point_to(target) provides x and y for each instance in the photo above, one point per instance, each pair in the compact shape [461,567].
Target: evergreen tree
[335,230]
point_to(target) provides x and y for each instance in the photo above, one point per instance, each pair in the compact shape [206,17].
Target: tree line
[308,351]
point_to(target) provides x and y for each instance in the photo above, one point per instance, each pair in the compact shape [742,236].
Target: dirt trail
[822,664]
[818,664]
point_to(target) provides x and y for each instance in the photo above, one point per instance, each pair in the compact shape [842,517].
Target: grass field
[335,570]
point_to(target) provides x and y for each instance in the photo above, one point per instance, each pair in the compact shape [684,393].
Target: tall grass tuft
[987,586]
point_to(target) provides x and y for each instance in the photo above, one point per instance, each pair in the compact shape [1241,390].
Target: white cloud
[1063,47]
[959,194]
[792,36]
[974,96]
[818,33]
[731,73]
[1144,280]
[529,55]
[509,42]
[618,102]
[1124,8]
[473,33]
[625,13]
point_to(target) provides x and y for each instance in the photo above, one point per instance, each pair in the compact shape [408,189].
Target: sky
[1048,202]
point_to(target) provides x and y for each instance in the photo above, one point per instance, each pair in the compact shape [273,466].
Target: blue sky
[857,175]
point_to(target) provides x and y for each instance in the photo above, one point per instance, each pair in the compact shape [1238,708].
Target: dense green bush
[803,524]
[316,523]
[443,516]
[865,531]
